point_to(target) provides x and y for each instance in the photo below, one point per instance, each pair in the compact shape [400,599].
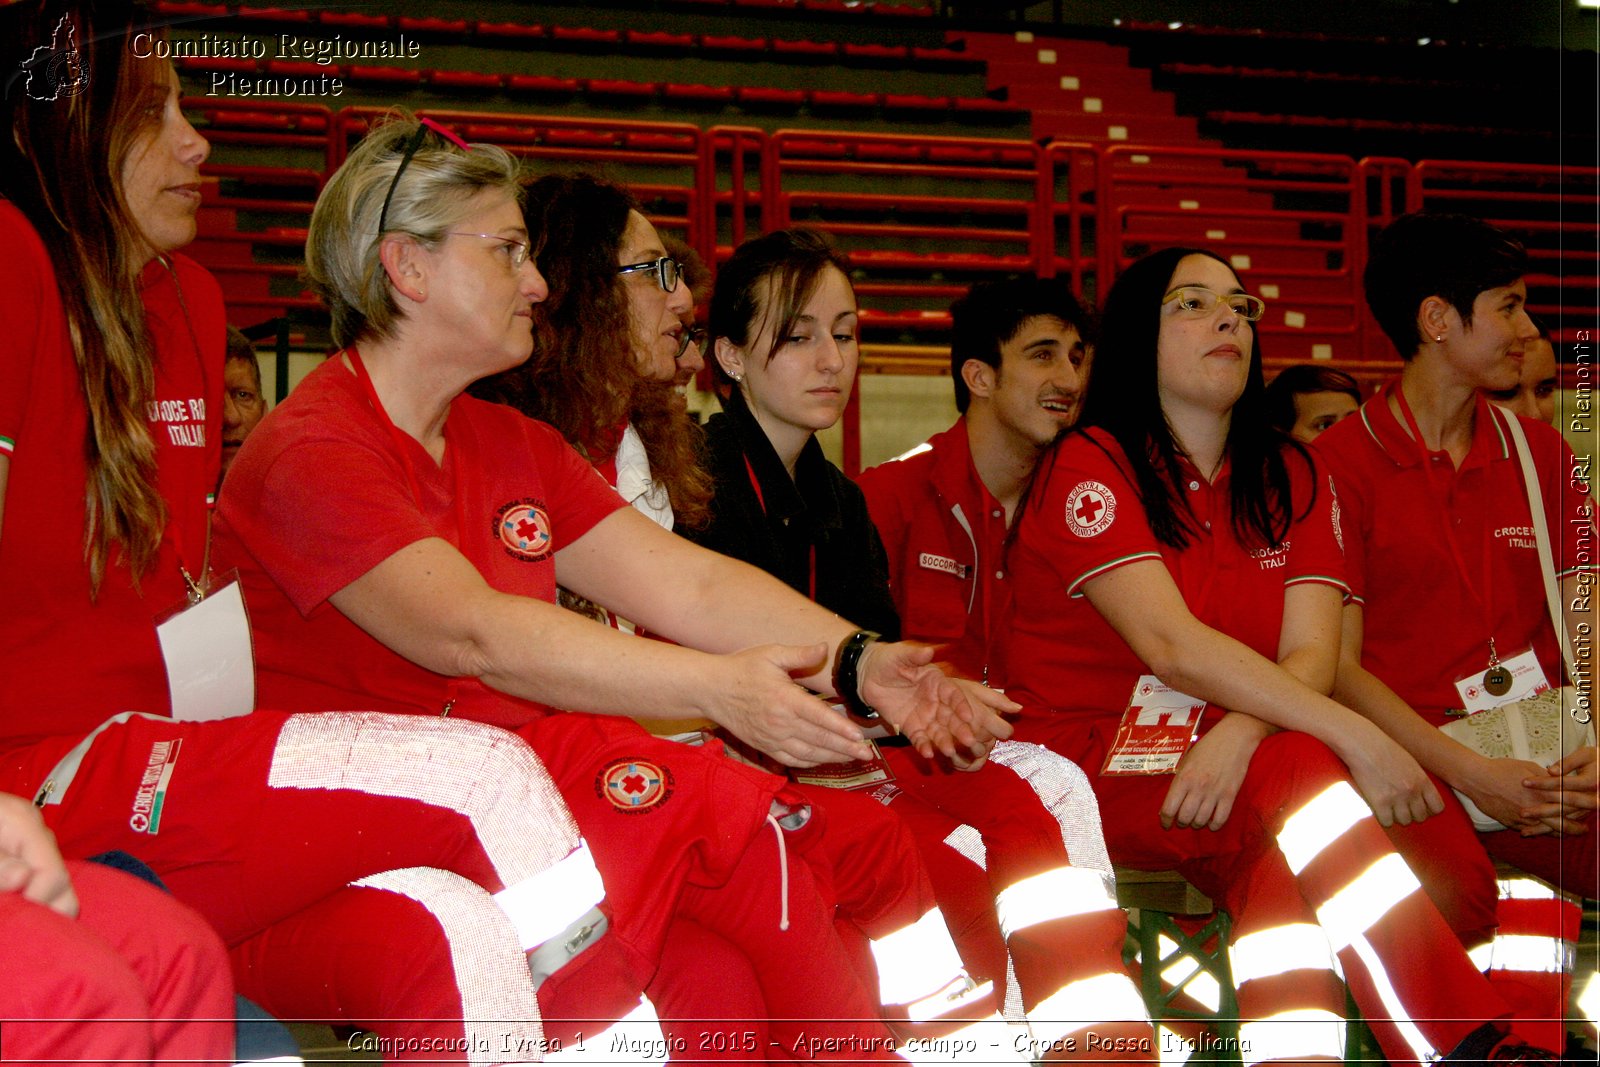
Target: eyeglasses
[424,125]
[695,337]
[518,250]
[1203,302]
[666,268]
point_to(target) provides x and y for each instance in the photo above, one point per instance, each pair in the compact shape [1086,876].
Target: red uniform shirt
[1427,624]
[510,492]
[945,534]
[71,661]
[1085,519]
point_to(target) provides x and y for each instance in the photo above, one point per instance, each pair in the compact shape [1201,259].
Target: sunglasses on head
[424,127]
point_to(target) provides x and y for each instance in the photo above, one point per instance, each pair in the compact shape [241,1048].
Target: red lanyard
[1475,584]
[193,589]
[755,483]
[402,445]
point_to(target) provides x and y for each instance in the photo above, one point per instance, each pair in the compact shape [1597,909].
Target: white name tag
[1527,678]
[210,665]
[1156,730]
[931,562]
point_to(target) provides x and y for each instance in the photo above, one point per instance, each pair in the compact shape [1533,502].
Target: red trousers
[135,978]
[1302,853]
[264,823]
[1077,935]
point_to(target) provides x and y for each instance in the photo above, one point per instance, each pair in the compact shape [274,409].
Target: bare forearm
[693,595]
[547,654]
[1225,672]
[1366,694]
[1311,668]
[428,604]
[729,605]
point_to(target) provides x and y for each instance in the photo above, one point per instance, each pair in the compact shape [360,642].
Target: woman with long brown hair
[347,883]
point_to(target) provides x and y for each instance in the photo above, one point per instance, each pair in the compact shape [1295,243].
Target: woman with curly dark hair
[605,347]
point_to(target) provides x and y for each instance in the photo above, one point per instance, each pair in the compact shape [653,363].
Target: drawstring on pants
[783,874]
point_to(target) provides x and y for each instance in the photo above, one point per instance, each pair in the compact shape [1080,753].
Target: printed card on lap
[855,774]
[1156,730]
[1527,679]
[210,667]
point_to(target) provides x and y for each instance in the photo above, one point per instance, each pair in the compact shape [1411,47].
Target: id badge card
[1527,679]
[853,774]
[1156,730]
[210,665]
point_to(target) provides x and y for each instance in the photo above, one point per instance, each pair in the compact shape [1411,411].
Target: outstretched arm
[708,601]
[429,604]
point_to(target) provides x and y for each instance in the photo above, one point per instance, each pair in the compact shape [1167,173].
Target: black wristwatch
[847,676]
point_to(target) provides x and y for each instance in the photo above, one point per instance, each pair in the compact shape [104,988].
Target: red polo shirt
[71,659]
[1085,518]
[321,493]
[1426,623]
[945,534]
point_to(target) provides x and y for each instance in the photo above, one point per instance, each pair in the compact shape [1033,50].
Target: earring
[737,378]
[1438,338]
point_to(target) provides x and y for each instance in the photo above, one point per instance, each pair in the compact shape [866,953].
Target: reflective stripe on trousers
[498,1002]
[484,773]
[1348,914]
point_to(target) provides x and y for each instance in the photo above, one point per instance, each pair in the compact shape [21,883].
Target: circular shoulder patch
[634,785]
[1090,509]
[524,531]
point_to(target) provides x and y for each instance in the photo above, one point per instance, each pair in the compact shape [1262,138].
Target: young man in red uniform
[1445,573]
[1018,357]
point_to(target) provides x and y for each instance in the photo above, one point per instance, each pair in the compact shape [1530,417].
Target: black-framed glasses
[666,268]
[519,250]
[1202,302]
[424,126]
[696,337]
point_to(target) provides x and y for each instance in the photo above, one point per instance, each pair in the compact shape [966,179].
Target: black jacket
[776,529]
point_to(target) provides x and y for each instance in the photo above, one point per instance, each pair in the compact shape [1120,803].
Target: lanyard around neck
[194,588]
[1480,586]
[811,564]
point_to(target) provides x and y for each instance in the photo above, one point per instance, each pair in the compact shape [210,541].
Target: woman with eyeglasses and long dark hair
[606,341]
[1179,583]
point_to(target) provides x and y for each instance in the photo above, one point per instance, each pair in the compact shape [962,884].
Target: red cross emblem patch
[634,785]
[524,531]
[1090,509]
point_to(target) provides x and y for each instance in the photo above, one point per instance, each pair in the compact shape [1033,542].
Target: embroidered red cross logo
[633,783]
[1089,509]
[527,528]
